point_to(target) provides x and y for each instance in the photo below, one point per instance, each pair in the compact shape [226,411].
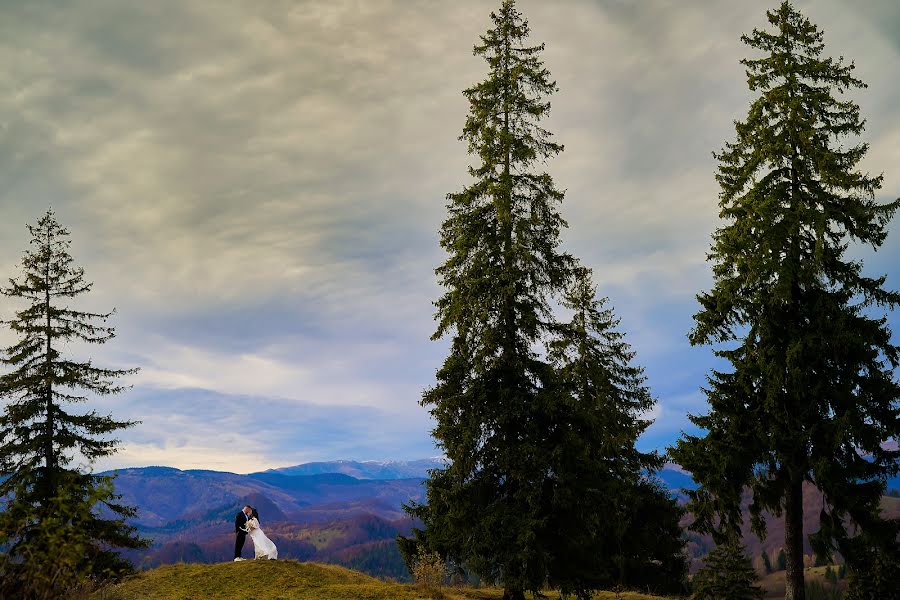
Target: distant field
[285,580]
[774,583]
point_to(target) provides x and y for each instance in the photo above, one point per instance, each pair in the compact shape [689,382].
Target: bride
[262,545]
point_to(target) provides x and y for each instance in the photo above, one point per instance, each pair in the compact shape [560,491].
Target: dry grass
[774,583]
[286,580]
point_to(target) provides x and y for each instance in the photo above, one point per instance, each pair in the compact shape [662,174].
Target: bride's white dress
[262,545]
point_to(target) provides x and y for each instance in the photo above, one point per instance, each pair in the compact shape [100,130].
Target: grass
[774,583]
[287,580]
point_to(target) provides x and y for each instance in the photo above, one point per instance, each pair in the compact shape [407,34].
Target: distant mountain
[676,479]
[326,517]
[343,512]
[168,498]
[370,469]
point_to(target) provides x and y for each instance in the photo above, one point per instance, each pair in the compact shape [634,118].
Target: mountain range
[343,512]
[370,469]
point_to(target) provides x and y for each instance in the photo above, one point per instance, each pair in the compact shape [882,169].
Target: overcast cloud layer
[257,188]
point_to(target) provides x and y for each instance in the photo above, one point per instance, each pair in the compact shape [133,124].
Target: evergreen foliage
[543,476]
[767,563]
[501,234]
[874,564]
[810,394]
[608,525]
[727,575]
[45,499]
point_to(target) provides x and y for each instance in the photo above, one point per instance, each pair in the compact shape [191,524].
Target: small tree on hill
[767,562]
[874,564]
[727,575]
[780,560]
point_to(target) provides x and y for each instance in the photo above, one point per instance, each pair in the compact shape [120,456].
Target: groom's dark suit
[240,520]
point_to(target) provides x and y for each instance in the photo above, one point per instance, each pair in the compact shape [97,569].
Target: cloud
[258,187]
[196,428]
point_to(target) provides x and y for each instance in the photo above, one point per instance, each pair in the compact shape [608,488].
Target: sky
[257,189]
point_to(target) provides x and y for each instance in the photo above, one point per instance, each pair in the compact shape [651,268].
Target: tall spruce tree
[608,524]
[484,510]
[41,435]
[528,434]
[810,394]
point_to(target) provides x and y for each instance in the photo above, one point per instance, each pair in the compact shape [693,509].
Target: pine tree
[810,394]
[485,510]
[875,564]
[727,575]
[608,525]
[41,435]
[767,563]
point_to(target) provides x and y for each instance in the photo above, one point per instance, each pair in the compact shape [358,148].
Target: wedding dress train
[263,547]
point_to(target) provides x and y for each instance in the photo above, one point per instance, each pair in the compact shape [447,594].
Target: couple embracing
[246,522]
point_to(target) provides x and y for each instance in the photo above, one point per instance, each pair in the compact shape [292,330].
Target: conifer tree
[502,235]
[40,432]
[727,575]
[875,568]
[767,563]
[544,484]
[609,525]
[810,394]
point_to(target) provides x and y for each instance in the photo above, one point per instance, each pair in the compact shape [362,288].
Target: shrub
[429,570]
[816,590]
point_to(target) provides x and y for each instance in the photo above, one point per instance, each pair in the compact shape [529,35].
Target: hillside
[774,582]
[282,580]
[315,514]
[700,545]
[166,496]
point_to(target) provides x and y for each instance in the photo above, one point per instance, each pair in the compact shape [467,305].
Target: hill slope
[281,580]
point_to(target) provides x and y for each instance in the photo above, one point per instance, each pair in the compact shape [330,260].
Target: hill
[314,513]
[283,580]
[167,496]
[325,517]
[774,583]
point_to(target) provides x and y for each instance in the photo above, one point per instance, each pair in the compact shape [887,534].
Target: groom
[240,523]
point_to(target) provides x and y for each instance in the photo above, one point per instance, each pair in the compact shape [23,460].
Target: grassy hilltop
[284,580]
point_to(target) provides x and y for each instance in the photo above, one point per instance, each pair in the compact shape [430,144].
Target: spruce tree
[41,434]
[609,525]
[484,510]
[767,563]
[809,395]
[727,575]
[543,481]
[875,568]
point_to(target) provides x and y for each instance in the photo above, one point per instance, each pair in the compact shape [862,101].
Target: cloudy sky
[257,188]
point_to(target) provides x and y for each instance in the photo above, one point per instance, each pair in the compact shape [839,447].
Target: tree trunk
[49,458]
[793,542]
